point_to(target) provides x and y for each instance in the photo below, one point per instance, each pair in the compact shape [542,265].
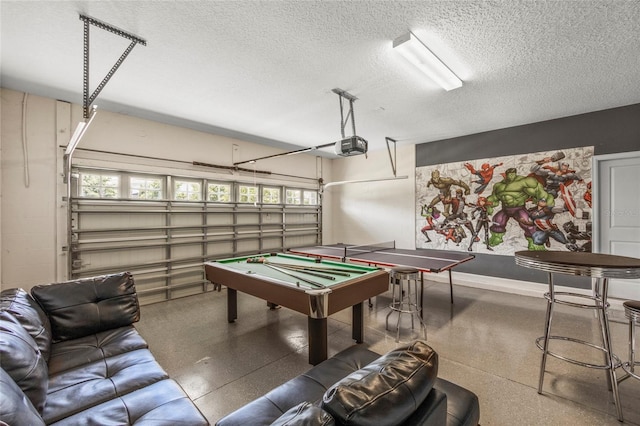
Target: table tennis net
[354,251]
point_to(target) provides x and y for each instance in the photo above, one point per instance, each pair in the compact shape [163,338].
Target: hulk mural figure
[513,192]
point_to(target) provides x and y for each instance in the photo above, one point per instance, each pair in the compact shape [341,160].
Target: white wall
[32,231]
[374,211]
[28,190]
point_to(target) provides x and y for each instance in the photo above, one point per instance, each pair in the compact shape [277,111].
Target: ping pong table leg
[357,319]
[451,286]
[422,295]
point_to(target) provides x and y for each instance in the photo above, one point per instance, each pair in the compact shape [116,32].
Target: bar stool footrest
[626,366]
[576,362]
[594,299]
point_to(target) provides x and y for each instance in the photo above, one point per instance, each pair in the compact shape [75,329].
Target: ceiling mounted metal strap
[343,120]
[88,21]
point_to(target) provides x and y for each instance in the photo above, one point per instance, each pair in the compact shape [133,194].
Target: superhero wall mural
[537,201]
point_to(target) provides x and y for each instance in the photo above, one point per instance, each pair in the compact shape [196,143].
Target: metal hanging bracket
[87,99]
[392,158]
[89,111]
[343,120]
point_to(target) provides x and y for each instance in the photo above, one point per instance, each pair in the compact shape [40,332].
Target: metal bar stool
[600,266]
[632,312]
[405,298]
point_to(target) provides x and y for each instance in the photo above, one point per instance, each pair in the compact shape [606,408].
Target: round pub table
[599,266]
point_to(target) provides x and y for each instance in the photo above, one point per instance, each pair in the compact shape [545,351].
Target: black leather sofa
[360,387]
[71,356]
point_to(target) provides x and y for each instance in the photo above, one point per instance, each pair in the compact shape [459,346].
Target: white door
[616,227]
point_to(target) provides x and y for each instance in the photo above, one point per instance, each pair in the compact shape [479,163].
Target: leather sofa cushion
[94,383]
[15,407]
[386,391]
[24,308]
[89,305]
[305,414]
[21,359]
[163,403]
[74,353]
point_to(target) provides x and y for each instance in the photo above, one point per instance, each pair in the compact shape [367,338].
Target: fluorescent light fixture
[420,56]
[79,132]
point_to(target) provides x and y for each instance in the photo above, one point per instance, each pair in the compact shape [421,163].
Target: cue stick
[311,268]
[305,271]
[295,276]
[291,267]
[308,268]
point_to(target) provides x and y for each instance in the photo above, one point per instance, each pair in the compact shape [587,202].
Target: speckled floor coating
[485,342]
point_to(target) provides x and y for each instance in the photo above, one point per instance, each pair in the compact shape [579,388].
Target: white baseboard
[523,288]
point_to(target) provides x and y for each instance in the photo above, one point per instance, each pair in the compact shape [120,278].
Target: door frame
[595,183]
[597,201]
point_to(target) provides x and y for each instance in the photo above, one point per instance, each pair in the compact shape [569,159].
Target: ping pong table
[387,255]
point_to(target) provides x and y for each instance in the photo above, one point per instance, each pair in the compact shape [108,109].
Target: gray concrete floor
[485,342]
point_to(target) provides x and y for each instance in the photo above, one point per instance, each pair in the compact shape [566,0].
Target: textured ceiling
[264,70]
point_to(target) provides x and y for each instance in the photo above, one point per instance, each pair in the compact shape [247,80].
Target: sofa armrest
[15,408]
[463,407]
[89,305]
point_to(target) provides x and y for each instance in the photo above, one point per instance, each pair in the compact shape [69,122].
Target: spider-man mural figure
[485,174]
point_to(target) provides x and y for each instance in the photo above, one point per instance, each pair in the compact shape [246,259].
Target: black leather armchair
[360,387]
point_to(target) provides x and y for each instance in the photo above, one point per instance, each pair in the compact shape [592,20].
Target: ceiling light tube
[79,132]
[419,55]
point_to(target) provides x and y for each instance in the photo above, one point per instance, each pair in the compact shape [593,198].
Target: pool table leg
[317,328]
[357,321]
[232,304]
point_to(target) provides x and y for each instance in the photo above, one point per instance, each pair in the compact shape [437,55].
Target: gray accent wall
[609,131]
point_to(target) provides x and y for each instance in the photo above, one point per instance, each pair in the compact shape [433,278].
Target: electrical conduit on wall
[25,150]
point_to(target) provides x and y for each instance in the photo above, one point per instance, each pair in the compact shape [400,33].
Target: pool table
[298,287]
